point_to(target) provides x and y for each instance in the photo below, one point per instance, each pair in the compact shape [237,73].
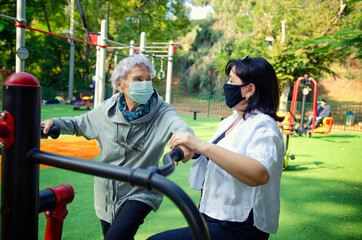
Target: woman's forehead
[140,71]
[233,73]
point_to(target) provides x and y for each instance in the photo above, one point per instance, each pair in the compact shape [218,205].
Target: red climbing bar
[22,25]
[64,194]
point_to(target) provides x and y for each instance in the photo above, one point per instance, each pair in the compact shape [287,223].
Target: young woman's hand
[186,139]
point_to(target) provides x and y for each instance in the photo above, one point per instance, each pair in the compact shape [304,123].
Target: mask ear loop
[246,97]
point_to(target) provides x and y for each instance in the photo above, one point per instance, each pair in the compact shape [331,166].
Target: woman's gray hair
[125,66]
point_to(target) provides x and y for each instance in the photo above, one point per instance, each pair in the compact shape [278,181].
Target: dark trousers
[219,230]
[129,218]
[318,121]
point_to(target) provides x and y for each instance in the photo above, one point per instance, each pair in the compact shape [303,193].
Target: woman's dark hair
[259,72]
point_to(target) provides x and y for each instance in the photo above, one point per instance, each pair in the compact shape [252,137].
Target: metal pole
[302,113]
[71,55]
[20,176]
[115,64]
[100,81]
[98,49]
[131,49]
[169,72]
[20,37]
[142,43]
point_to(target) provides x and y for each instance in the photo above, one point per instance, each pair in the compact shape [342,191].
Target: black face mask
[233,94]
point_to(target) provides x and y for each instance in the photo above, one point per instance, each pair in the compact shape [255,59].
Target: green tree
[162,20]
[255,28]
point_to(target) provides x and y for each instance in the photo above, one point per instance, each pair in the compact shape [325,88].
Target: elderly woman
[132,128]
[240,168]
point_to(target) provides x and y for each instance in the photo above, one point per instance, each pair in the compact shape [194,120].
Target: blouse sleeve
[266,146]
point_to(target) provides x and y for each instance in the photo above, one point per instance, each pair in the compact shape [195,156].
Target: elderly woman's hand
[47,124]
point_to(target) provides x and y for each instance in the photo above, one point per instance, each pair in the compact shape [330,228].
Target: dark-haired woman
[240,168]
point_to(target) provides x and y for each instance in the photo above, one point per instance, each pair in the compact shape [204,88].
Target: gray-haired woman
[132,128]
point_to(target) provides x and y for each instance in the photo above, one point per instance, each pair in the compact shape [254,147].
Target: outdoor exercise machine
[20,142]
[308,83]
[288,126]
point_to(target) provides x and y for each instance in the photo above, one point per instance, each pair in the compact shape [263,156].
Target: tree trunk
[342,6]
[284,93]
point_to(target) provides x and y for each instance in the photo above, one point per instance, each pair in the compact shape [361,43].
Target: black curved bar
[168,167]
[145,178]
[196,222]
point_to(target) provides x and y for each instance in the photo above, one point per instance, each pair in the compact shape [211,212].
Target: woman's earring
[247,97]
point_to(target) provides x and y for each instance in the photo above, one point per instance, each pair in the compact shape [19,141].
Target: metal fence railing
[208,105]
[346,117]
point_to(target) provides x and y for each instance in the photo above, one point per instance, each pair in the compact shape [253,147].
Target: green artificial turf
[59,110]
[320,190]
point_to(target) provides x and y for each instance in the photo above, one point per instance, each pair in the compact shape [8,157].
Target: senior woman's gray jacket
[136,144]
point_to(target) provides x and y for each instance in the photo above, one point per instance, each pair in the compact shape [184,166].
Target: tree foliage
[345,42]
[254,28]
[162,20]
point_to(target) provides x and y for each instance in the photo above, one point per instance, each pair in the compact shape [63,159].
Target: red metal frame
[6,129]
[64,194]
[8,71]
[22,25]
[295,96]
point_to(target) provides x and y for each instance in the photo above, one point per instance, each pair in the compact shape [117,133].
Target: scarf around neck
[141,111]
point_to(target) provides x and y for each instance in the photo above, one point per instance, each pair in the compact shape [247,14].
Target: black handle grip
[168,167]
[176,154]
[54,132]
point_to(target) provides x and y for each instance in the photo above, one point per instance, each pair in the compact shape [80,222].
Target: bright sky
[200,12]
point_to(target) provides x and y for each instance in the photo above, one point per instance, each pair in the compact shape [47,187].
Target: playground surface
[320,190]
[71,146]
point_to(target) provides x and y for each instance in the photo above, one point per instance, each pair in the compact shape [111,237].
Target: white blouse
[225,197]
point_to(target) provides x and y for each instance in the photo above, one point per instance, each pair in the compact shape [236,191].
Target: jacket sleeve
[85,125]
[326,112]
[171,120]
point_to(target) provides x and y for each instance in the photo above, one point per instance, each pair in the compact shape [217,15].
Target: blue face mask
[140,92]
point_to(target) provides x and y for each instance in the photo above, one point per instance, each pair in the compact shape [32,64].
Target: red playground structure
[86,98]
[301,129]
[288,126]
